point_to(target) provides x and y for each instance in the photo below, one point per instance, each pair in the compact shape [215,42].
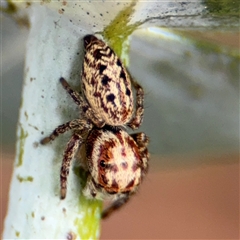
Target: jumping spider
[116,161]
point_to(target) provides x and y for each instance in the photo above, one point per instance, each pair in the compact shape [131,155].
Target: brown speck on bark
[35,144]
[71,236]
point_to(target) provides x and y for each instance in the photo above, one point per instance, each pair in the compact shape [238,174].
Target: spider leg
[137,120]
[80,101]
[116,205]
[79,124]
[72,146]
[142,141]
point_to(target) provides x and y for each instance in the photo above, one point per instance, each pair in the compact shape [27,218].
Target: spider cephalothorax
[117,161]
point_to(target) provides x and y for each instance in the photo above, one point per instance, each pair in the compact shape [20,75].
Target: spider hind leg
[118,203]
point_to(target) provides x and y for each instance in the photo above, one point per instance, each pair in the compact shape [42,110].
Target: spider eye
[103,164]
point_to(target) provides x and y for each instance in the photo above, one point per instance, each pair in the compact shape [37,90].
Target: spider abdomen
[106,83]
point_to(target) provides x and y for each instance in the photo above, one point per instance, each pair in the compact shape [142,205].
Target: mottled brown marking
[114,168]
[135,167]
[130,185]
[134,147]
[128,92]
[124,164]
[115,186]
[103,180]
[101,69]
[119,136]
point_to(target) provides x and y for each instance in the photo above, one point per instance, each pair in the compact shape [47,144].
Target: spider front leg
[79,124]
[72,146]
[118,203]
[79,100]
[137,120]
